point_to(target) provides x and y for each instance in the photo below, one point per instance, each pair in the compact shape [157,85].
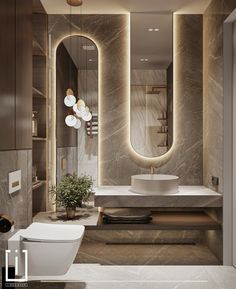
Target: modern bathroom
[118,144]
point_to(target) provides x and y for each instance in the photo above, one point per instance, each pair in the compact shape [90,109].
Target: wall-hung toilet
[51,248]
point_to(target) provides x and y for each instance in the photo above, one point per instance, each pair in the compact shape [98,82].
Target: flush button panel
[14,181]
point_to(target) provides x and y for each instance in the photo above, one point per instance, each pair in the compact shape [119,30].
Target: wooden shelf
[38,49]
[198,220]
[39,138]
[38,184]
[152,92]
[38,94]
[149,85]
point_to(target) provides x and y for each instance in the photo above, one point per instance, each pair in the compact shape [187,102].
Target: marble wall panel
[117,160]
[18,206]
[213,20]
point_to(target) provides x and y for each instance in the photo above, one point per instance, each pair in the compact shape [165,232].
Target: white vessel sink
[154,184]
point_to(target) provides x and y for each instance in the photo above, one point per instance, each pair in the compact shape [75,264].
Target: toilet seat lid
[39,232]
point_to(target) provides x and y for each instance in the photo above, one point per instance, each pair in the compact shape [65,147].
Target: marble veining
[91,276]
[17,206]
[117,161]
[213,20]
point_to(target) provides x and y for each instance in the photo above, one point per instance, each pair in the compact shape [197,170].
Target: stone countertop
[188,196]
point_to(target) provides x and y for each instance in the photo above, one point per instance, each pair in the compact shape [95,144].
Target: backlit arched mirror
[77,74]
[151,107]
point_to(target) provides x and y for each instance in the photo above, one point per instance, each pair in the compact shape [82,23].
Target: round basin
[154,184]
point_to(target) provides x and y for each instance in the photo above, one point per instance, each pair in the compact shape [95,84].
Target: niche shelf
[163,220]
[39,138]
[92,126]
[38,94]
[38,184]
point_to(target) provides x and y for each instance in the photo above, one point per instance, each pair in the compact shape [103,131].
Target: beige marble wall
[117,160]
[213,20]
[18,206]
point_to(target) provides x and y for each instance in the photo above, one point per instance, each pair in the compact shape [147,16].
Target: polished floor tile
[91,276]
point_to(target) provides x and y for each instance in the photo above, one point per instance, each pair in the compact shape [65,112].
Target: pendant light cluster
[78,110]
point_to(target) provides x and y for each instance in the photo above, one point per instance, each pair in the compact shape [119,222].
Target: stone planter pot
[70,212]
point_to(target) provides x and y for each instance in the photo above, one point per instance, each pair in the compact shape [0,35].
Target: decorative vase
[70,212]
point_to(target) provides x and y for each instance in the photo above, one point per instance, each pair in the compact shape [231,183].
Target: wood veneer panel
[67,76]
[7,74]
[23,74]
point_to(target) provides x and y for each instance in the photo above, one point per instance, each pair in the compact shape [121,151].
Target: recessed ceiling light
[90,60]
[88,47]
[153,29]
[144,59]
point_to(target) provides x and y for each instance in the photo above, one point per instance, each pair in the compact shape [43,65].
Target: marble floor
[96,276]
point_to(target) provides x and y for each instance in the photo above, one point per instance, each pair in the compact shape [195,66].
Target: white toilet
[51,248]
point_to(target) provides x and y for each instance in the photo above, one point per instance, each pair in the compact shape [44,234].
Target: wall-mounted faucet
[152,170]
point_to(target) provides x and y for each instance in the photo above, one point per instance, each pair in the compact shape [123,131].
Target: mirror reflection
[151,83]
[77,98]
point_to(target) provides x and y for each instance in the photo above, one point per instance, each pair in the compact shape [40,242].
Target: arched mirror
[77,75]
[151,107]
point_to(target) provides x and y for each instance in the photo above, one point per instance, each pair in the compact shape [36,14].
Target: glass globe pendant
[70,120]
[78,124]
[70,99]
[87,116]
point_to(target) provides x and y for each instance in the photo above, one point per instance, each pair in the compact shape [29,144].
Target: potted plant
[72,191]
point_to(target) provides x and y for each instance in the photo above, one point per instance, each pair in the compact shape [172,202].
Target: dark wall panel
[67,76]
[7,74]
[23,74]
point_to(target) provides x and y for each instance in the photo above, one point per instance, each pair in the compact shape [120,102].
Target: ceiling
[154,46]
[83,59]
[126,6]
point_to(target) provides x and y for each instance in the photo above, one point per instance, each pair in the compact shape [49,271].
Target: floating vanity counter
[187,197]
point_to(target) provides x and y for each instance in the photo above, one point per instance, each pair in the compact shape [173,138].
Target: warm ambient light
[144,59]
[52,101]
[137,156]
